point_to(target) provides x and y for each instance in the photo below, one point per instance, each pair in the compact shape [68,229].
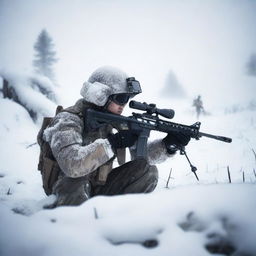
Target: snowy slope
[181,220]
[20,183]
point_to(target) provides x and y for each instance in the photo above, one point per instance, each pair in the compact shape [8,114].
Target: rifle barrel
[216,137]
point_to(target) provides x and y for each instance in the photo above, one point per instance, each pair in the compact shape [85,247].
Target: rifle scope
[152,109]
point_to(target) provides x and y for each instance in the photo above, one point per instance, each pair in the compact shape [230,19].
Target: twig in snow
[229,177]
[9,192]
[31,145]
[254,153]
[96,216]
[167,183]
[254,172]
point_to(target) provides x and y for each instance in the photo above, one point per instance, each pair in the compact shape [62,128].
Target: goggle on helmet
[133,88]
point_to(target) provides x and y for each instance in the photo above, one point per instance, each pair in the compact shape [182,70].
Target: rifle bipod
[193,168]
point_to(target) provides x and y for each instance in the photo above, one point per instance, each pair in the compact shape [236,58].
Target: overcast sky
[205,43]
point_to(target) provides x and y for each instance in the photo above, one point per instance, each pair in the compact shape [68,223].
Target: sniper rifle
[144,123]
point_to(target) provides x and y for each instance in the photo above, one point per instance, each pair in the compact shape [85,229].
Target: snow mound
[182,221]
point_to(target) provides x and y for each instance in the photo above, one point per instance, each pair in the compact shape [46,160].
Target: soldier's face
[115,108]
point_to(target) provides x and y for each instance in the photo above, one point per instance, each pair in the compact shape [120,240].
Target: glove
[175,140]
[122,139]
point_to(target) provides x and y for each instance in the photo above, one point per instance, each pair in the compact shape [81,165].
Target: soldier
[198,104]
[86,158]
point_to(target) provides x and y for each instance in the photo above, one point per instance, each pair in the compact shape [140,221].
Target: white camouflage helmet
[106,81]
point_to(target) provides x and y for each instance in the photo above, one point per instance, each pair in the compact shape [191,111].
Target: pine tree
[173,88]
[45,55]
[251,65]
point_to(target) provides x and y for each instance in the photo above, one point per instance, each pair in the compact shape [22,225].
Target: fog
[205,43]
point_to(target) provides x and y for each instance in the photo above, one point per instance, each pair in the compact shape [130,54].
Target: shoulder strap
[76,109]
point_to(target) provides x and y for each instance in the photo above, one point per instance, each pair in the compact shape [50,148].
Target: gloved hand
[122,139]
[175,140]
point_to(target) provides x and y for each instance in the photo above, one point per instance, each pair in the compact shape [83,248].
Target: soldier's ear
[96,93]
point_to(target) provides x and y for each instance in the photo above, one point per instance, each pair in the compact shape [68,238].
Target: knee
[150,178]
[140,163]
[153,171]
[144,168]
[143,178]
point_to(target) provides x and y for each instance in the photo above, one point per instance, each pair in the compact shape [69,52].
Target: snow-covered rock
[34,92]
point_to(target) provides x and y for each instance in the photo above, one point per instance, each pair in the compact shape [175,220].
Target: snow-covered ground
[187,218]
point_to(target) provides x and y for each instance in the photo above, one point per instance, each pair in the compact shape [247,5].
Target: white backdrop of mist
[205,43]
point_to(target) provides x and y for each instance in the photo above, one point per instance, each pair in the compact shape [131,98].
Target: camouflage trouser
[133,177]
